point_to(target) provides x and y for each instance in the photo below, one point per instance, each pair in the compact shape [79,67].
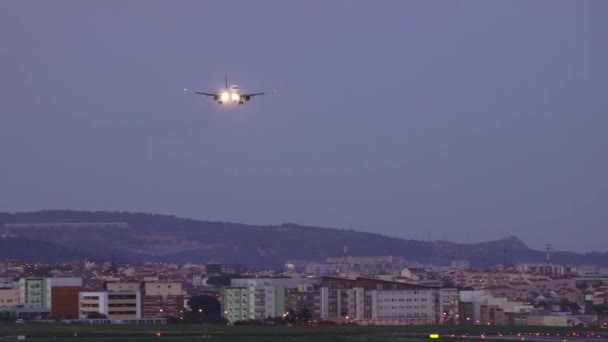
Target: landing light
[225,96]
[235,97]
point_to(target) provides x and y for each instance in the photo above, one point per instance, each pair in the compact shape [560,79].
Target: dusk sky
[469,120]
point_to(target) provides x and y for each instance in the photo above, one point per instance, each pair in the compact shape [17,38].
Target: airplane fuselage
[232,94]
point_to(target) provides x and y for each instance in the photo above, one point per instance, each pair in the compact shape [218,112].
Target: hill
[135,237]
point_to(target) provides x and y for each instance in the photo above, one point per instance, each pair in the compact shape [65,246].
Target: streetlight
[200,313]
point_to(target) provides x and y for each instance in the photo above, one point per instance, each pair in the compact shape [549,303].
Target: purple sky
[472,120]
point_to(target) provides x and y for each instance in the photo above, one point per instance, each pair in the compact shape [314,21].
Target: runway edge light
[433,336]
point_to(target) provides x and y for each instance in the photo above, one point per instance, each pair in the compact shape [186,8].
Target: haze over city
[468,120]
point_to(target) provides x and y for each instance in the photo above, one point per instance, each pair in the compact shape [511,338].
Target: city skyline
[469,120]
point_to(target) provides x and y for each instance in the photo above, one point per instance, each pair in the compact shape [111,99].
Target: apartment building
[319,270]
[63,295]
[235,303]
[304,297]
[482,278]
[257,298]
[124,305]
[124,300]
[33,293]
[92,304]
[117,286]
[448,305]
[162,299]
[481,308]
[261,302]
[368,265]
[378,302]
[275,282]
[9,297]
[401,306]
[198,280]
[543,269]
[57,296]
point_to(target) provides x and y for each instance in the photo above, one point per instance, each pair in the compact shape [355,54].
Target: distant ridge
[37,250]
[153,237]
[67,225]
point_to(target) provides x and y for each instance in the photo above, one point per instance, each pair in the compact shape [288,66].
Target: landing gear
[240,102]
[219,102]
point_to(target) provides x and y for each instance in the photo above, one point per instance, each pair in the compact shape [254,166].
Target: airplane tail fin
[226,80]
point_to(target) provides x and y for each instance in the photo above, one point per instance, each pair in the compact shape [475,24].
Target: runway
[540,337]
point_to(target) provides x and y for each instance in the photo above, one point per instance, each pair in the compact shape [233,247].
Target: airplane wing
[206,94]
[258,94]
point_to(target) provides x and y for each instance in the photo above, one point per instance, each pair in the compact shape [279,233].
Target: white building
[402,305]
[276,282]
[256,298]
[542,269]
[480,308]
[90,303]
[378,302]
[124,300]
[319,270]
[198,280]
[33,293]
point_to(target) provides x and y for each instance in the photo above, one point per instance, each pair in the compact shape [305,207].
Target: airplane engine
[246,98]
[215,98]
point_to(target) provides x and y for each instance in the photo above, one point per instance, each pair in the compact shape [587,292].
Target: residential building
[368,265]
[124,305]
[9,297]
[275,282]
[124,300]
[296,266]
[378,302]
[33,293]
[319,270]
[198,280]
[162,299]
[63,297]
[545,269]
[256,298]
[92,304]
[215,268]
[547,320]
[448,305]
[413,274]
[480,308]
[118,286]
[305,297]
[235,303]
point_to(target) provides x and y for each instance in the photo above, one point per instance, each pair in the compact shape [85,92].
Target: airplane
[232,94]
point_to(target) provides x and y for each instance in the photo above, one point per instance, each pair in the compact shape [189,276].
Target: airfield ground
[186,333]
